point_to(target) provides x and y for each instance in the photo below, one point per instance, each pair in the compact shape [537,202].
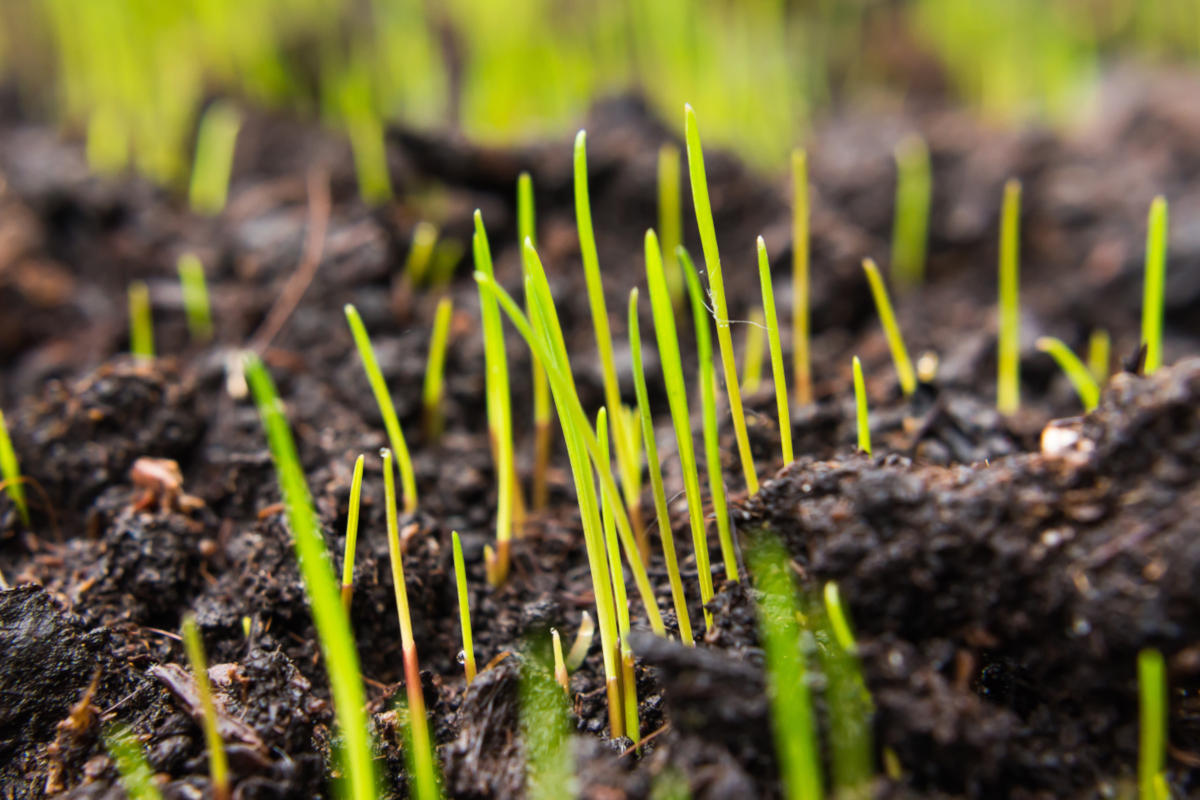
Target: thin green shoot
[583,642]
[141,324]
[910,226]
[329,617]
[545,729]
[670,218]
[351,535]
[1154,290]
[846,696]
[716,283]
[561,676]
[218,766]
[677,398]
[137,778]
[628,466]
[753,351]
[891,329]
[464,609]
[447,254]
[420,252]
[792,720]
[1099,355]
[708,404]
[435,370]
[839,624]
[771,319]
[387,410]
[1152,755]
[860,406]
[542,427]
[801,359]
[215,143]
[195,297]
[661,510]
[10,471]
[1008,381]
[1076,371]
[423,779]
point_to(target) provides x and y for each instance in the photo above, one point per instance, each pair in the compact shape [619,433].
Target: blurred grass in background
[133,75]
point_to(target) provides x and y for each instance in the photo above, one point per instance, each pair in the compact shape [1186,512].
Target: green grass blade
[420,253]
[464,609]
[527,232]
[137,778]
[1008,386]
[1099,354]
[838,621]
[195,297]
[546,731]
[1076,371]
[218,765]
[1154,291]
[910,227]
[141,324]
[352,534]
[801,359]
[435,370]
[891,329]
[10,471]
[215,144]
[1152,756]
[753,351]
[860,406]
[780,379]
[670,218]
[849,703]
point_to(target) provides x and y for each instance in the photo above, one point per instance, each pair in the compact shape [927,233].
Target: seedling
[329,616]
[910,226]
[849,702]
[545,729]
[560,664]
[801,364]
[891,330]
[1152,757]
[435,370]
[1008,387]
[670,219]
[752,353]
[215,143]
[195,297]
[542,430]
[351,535]
[420,252]
[772,326]
[423,780]
[1076,371]
[464,609]
[387,410]
[661,511]
[137,778]
[1099,354]
[860,405]
[708,403]
[1154,290]
[141,325]
[716,283]
[838,622]
[218,767]
[10,471]
[583,642]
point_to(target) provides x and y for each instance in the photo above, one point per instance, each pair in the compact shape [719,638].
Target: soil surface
[1001,580]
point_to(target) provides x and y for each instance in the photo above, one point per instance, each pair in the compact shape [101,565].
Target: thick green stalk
[1076,371]
[910,226]
[772,323]
[1154,291]
[215,143]
[1152,756]
[670,218]
[141,324]
[801,363]
[891,330]
[1008,386]
[860,405]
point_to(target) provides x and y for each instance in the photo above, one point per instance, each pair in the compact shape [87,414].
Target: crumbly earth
[1000,593]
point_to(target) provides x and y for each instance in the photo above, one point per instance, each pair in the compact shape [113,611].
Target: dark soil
[1000,593]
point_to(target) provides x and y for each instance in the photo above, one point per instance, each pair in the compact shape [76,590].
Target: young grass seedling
[542,429]
[218,766]
[420,252]
[423,780]
[1099,353]
[387,410]
[583,642]
[849,702]
[860,406]
[661,511]
[708,403]
[545,729]
[839,624]
[1076,371]
[141,324]
[10,471]
[801,364]
[910,226]
[435,370]
[560,664]
[215,143]
[137,778]
[1008,386]
[351,535]
[464,609]
[1154,291]
[752,353]
[891,330]
[772,324]
[1152,758]
[716,283]
[195,298]
[670,219]
[329,617]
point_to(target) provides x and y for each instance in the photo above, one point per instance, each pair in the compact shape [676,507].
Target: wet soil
[1000,590]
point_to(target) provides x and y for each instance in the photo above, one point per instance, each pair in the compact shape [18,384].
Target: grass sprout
[464,609]
[1154,289]
[195,297]
[387,410]
[215,144]
[670,218]
[839,624]
[772,327]
[716,282]
[860,407]
[891,329]
[849,702]
[752,353]
[1099,355]
[583,642]
[542,422]
[910,226]
[1152,755]
[435,370]
[137,778]
[10,471]
[801,359]
[420,253]
[351,535]
[561,676]
[1008,381]
[332,624]
[545,729]
[1076,371]
[141,323]
[218,766]
[662,513]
